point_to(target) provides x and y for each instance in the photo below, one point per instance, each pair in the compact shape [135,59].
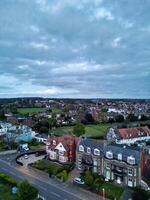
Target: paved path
[8,152]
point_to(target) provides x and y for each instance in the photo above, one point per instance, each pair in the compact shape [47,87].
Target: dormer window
[119,156]
[131,160]
[88,150]
[54,142]
[96,152]
[81,148]
[109,155]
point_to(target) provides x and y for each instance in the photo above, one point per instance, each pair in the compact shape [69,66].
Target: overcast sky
[75,48]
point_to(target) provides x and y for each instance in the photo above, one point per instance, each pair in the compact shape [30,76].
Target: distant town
[98,147]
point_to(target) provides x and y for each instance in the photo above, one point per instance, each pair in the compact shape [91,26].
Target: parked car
[26,156]
[78,181]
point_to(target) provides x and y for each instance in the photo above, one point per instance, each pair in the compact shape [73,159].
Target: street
[48,188]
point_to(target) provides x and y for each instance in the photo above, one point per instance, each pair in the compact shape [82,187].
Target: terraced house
[121,164]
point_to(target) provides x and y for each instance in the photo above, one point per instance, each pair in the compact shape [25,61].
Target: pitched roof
[114,148]
[127,133]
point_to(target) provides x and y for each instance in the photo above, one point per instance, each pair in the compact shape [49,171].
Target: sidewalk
[8,152]
[67,186]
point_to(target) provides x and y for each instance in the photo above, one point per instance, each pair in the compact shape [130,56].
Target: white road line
[12,173]
[43,188]
[3,168]
[57,195]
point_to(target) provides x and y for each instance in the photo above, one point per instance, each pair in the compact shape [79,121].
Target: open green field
[93,130]
[36,110]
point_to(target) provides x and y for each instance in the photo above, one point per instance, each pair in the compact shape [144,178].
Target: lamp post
[103,193]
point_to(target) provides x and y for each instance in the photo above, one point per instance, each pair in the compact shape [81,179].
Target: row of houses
[120,163]
[128,135]
[16,133]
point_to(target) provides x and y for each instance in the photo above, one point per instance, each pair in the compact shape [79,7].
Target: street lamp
[103,193]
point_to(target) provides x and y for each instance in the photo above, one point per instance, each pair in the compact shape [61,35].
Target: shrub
[88,178]
[4,178]
[26,191]
[63,175]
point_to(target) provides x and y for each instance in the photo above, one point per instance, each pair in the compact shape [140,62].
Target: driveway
[31,158]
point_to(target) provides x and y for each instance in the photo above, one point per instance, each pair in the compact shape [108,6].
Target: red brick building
[62,148]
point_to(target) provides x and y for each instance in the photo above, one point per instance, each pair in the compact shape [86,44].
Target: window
[61,153]
[131,160]
[109,154]
[96,152]
[119,156]
[108,165]
[54,142]
[81,148]
[130,172]
[134,172]
[88,150]
[95,163]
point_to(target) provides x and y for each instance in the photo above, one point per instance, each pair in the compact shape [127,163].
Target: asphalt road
[47,190]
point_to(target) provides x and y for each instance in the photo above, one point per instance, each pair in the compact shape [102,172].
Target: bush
[4,178]
[63,175]
[26,191]
[88,178]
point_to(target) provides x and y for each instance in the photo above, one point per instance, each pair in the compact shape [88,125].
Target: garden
[96,183]
[54,169]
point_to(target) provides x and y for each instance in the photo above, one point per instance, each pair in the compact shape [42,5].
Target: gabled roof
[135,132]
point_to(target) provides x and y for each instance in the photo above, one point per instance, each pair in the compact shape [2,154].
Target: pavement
[49,188]
[31,159]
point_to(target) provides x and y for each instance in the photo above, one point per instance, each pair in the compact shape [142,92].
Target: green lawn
[30,110]
[93,130]
[36,110]
[112,190]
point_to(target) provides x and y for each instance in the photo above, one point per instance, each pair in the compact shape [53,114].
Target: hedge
[4,178]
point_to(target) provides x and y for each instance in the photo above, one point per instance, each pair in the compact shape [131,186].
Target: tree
[88,178]
[26,191]
[119,118]
[79,129]
[139,194]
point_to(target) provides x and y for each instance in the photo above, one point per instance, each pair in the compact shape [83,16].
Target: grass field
[36,110]
[93,130]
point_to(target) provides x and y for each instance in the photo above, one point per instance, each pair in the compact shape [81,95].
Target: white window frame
[88,150]
[109,155]
[54,142]
[96,152]
[81,148]
[131,160]
[119,156]
[130,171]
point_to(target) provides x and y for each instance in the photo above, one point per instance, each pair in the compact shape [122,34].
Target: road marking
[12,173]
[3,168]
[57,195]
[43,188]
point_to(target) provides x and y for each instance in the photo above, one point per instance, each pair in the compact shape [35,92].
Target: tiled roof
[127,133]
[124,150]
[114,148]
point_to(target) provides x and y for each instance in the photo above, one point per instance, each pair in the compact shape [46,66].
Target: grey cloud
[79,48]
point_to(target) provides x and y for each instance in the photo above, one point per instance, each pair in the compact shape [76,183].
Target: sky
[75,48]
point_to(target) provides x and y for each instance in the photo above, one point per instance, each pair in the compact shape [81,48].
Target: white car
[78,180]
[26,156]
